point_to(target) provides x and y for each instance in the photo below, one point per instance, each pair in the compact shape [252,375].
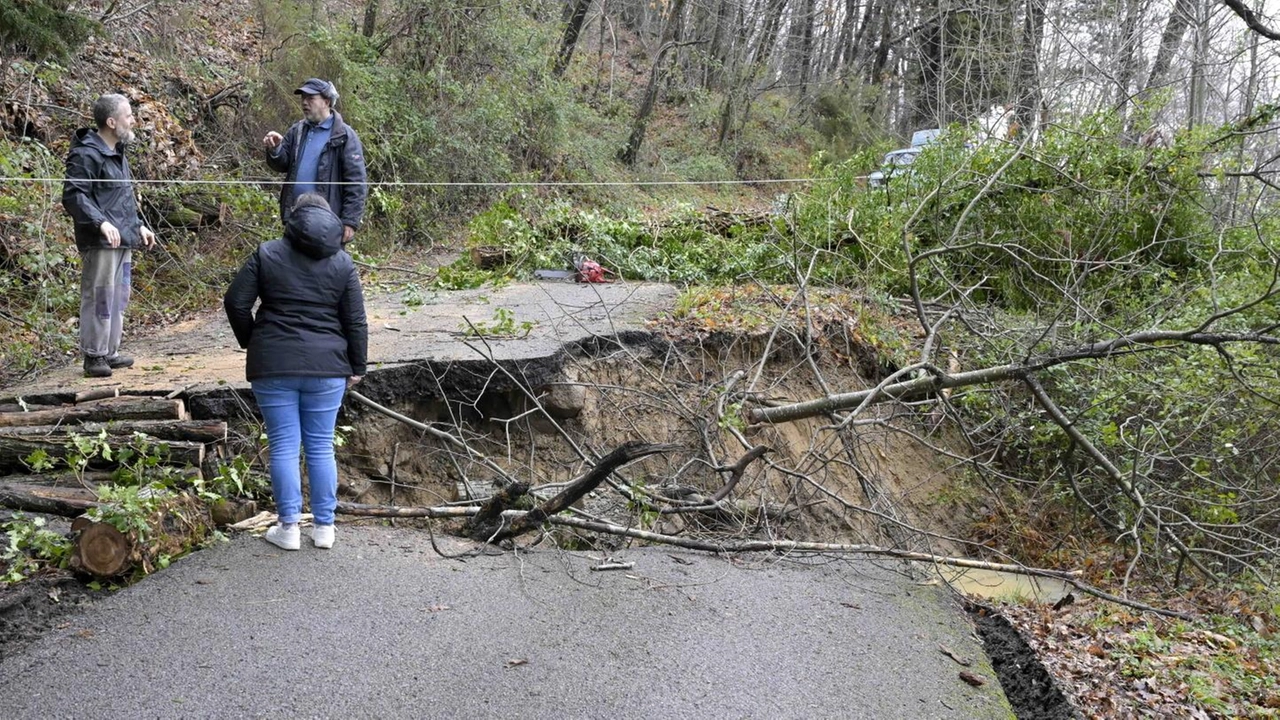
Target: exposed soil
[30,608]
[1029,687]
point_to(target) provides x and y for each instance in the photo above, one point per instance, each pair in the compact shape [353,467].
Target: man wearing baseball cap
[320,154]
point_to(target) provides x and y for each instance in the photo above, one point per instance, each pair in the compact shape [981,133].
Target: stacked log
[124,421]
[120,422]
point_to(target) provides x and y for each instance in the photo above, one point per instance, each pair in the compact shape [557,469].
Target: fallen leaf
[517,662]
[438,608]
[972,679]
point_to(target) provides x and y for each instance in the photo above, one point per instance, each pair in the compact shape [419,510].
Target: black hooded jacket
[311,321]
[99,189]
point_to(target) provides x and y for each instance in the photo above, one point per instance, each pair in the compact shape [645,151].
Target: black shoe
[120,361]
[96,366]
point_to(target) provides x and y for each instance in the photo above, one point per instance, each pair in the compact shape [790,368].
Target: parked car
[897,162]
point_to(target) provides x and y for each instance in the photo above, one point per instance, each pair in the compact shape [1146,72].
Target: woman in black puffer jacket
[306,345]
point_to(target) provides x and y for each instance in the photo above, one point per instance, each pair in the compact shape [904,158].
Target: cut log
[208,431]
[89,479]
[101,550]
[108,409]
[13,450]
[96,394]
[67,502]
[58,479]
[229,511]
[179,523]
[13,407]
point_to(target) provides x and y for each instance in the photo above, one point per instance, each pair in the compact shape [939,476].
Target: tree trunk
[1127,62]
[1196,98]
[370,18]
[806,46]
[1170,40]
[570,39]
[641,123]
[844,39]
[122,408]
[769,33]
[1027,108]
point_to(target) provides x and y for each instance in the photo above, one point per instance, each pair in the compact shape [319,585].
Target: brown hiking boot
[96,366]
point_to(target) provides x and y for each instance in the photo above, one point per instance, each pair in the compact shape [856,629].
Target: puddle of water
[996,585]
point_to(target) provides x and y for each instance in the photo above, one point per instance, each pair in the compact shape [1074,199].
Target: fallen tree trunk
[109,409]
[742,546]
[934,380]
[713,546]
[14,450]
[67,502]
[485,523]
[623,455]
[205,431]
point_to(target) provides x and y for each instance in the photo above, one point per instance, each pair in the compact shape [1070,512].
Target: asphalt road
[537,320]
[382,626]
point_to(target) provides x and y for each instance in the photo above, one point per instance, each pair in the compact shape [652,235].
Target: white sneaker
[322,536]
[286,538]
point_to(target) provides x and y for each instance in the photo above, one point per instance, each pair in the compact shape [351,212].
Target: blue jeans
[301,411]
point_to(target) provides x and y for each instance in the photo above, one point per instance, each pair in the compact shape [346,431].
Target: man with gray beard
[98,194]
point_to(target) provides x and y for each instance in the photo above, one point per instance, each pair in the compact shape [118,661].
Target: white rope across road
[397,183]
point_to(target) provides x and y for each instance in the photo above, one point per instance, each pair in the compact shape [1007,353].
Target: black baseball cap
[314,86]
